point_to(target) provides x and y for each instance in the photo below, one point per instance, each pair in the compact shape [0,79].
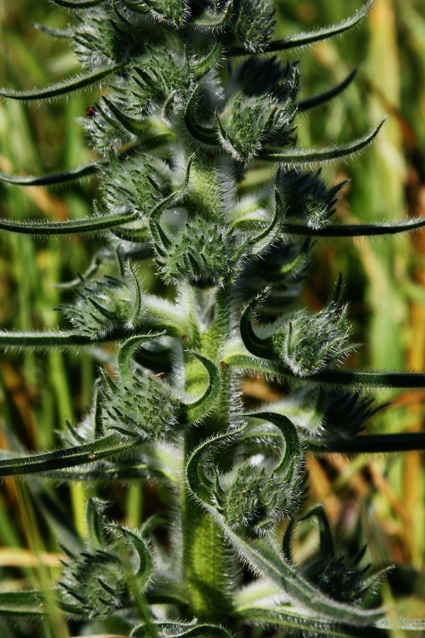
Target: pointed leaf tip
[308,157]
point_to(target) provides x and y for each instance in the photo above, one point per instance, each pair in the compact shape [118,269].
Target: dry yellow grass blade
[21,557]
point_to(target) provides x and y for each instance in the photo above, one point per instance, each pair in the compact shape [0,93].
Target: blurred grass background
[376,500]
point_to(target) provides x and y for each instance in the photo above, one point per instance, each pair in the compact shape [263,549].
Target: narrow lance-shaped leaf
[182,630]
[111,445]
[302,157]
[68,227]
[295,619]
[371,444]
[54,33]
[199,408]
[130,124]
[356,230]
[309,37]
[145,568]
[68,86]
[317,100]
[203,134]
[326,540]
[114,473]
[255,344]
[54,178]
[77,4]
[264,239]
[126,352]
[201,67]
[30,604]
[55,339]
[291,459]
[137,7]
[261,555]
[161,241]
[337,378]
[87,170]
[197,477]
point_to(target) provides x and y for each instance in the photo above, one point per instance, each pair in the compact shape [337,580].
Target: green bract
[192,103]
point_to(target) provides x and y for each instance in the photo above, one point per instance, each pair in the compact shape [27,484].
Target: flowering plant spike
[193,97]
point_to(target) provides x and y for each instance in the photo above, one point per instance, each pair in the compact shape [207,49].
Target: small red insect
[90,111]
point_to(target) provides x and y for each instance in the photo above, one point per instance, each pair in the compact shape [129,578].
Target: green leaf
[200,408]
[126,352]
[160,239]
[256,345]
[68,227]
[98,450]
[326,541]
[196,470]
[77,4]
[296,619]
[69,86]
[356,230]
[317,100]
[337,378]
[309,37]
[203,66]
[264,557]
[54,33]
[303,157]
[54,178]
[290,462]
[203,134]
[372,444]
[115,473]
[181,630]
[264,239]
[53,339]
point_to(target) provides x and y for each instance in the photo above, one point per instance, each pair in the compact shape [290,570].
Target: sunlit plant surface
[195,99]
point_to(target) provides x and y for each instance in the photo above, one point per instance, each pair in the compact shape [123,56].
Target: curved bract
[200,283]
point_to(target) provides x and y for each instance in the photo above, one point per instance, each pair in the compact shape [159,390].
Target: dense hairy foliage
[194,99]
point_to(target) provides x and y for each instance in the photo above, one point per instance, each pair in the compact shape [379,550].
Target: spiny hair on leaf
[254,24]
[306,197]
[137,184]
[247,124]
[202,252]
[144,409]
[106,305]
[101,38]
[308,343]
[103,576]
[339,578]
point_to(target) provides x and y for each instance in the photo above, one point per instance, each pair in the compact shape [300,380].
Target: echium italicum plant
[195,96]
